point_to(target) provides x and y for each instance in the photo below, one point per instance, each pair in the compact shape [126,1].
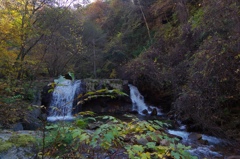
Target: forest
[183,54]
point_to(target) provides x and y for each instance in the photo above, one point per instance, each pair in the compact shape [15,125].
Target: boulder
[194,136]
[18,145]
[31,120]
[142,141]
[17,127]
[145,112]
[93,126]
[46,97]
[164,142]
[154,112]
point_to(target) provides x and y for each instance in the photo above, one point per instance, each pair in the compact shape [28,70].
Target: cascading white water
[62,100]
[138,101]
[199,150]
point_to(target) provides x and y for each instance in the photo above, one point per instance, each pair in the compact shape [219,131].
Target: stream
[202,146]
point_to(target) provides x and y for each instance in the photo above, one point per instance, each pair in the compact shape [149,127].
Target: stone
[204,142]
[164,142]
[18,145]
[46,97]
[154,112]
[145,112]
[31,120]
[93,126]
[142,141]
[194,136]
[18,126]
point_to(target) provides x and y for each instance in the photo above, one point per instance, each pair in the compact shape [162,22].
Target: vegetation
[194,63]
[183,55]
[21,140]
[112,138]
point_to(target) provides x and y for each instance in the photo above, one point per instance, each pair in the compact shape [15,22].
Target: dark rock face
[145,112]
[195,136]
[46,97]
[31,121]
[154,112]
[156,97]
[107,105]
[17,127]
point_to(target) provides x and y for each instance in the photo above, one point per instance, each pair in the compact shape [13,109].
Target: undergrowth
[111,138]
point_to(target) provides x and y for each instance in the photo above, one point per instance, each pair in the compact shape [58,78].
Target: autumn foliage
[183,55]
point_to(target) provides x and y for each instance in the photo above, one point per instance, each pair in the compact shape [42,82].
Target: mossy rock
[5,145]
[22,140]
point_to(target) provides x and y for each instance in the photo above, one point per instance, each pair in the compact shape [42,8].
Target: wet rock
[145,112]
[203,142]
[46,97]
[195,136]
[154,112]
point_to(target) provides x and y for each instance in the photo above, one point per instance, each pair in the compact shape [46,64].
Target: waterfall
[62,100]
[138,102]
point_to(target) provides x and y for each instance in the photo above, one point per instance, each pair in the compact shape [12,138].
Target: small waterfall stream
[62,100]
[66,91]
[197,149]
[138,102]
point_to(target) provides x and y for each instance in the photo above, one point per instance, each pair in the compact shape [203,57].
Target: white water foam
[62,100]
[204,152]
[200,151]
[56,118]
[138,102]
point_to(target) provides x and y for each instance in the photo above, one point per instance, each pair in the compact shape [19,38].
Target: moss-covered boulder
[17,146]
[5,145]
[22,140]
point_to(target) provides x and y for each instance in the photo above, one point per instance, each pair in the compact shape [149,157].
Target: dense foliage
[112,138]
[195,62]
[184,54]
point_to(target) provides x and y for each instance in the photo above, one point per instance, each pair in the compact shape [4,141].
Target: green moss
[22,140]
[5,145]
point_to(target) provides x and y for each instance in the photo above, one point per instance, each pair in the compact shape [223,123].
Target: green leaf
[137,148]
[84,137]
[76,133]
[51,127]
[151,145]
[109,136]
[175,155]
[71,75]
[146,155]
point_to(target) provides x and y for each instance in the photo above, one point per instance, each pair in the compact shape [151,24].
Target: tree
[94,38]
[22,35]
[62,44]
